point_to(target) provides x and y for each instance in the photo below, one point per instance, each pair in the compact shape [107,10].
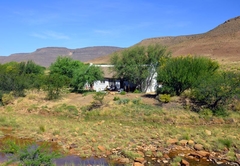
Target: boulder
[172,141]
[184,163]
[139,160]
[198,146]
[101,148]
[208,132]
[183,142]
[137,164]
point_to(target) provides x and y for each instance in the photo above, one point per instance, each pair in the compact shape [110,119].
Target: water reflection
[75,160]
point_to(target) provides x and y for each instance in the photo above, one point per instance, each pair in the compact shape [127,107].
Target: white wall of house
[101,85]
[153,85]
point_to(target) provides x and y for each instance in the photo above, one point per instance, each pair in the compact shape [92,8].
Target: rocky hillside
[46,56]
[221,43]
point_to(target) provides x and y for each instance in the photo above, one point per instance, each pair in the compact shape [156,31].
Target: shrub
[122,93]
[123,101]
[99,96]
[137,91]
[214,92]
[165,98]
[180,73]
[7,98]
[226,142]
[206,113]
[116,98]
[35,155]
[136,101]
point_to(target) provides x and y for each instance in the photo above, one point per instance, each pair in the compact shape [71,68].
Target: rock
[183,142]
[139,159]
[195,155]
[165,161]
[208,132]
[101,148]
[123,160]
[166,157]
[190,142]
[137,164]
[198,146]
[203,153]
[172,141]
[71,146]
[184,163]
[238,156]
[141,153]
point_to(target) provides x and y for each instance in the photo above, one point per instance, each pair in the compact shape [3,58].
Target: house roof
[108,72]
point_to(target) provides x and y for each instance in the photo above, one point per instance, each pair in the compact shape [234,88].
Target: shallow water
[75,160]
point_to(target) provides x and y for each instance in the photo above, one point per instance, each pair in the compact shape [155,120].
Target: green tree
[54,84]
[65,66]
[214,92]
[138,64]
[86,74]
[180,73]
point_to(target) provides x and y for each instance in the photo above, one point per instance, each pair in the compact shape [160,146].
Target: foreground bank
[127,129]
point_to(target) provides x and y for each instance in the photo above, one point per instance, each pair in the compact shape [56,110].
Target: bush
[99,96]
[35,155]
[116,98]
[123,101]
[136,101]
[180,73]
[216,91]
[165,98]
[137,91]
[7,98]
[122,93]
[206,113]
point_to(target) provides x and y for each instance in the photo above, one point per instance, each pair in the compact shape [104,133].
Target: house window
[102,82]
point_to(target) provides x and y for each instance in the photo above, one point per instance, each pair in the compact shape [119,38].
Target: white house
[112,83]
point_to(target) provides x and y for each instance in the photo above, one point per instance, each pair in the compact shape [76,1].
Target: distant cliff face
[48,55]
[221,43]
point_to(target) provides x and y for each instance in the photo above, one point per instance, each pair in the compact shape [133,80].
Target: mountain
[48,55]
[221,43]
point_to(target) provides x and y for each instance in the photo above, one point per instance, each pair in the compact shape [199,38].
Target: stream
[76,160]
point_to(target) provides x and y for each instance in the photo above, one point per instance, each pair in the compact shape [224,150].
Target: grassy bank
[124,126]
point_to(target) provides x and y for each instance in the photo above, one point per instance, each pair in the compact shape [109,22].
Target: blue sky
[27,25]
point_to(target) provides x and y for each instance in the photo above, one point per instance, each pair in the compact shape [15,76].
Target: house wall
[102,85]
[153,85]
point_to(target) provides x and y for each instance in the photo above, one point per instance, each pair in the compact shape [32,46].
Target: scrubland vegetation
[198,102]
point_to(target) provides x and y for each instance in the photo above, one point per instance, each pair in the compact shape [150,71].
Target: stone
[123,160]
[172,141]
[190,142]
[203,153]
[183,142]
[141,153]
[166,157]
[137,164]
[238,156]
[139,159]
[72,146]
[208,132]
[184,163]
[198,146]
[101,148]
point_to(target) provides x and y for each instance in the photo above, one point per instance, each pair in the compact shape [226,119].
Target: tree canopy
[180,73]
[138,64]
